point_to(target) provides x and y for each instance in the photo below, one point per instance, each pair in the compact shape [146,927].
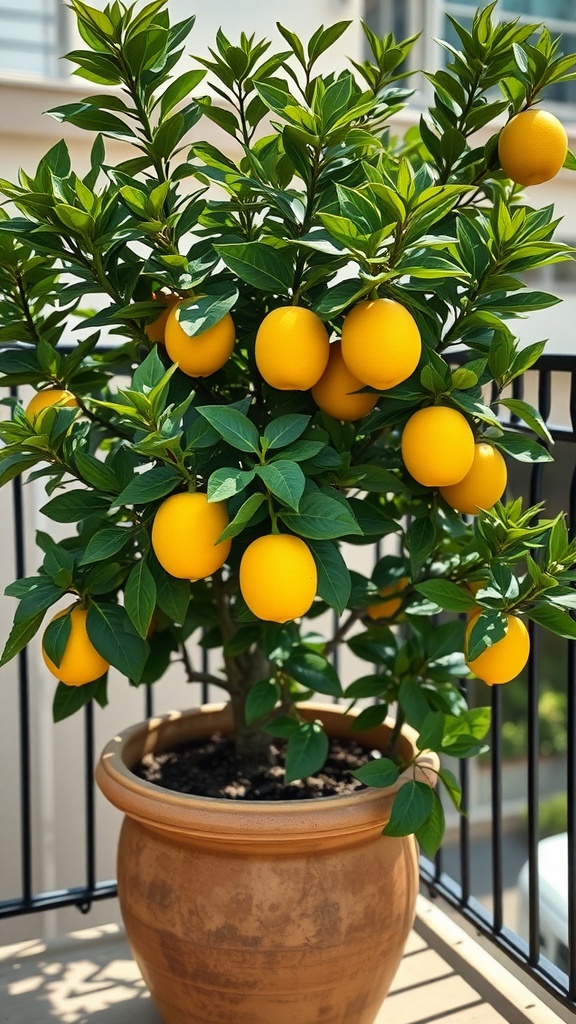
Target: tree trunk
[253,745]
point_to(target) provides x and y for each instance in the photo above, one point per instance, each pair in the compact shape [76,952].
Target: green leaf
[115,638]
[105,543]
[285,480]
[172,594]
[488,629]
[243,517]
[38,598]
[338,297]
[554,619]
[376,645]
[452,786]
[446,595]
[431,832]
[521,448]
[70,699]
[261,700]
[20,635]
[314,671]
[74,506]
[463,379]
[412,806]
[285,429]
[95,472]
[225,483]
[370,718]
[334,584]
[266,267]
[529,415]
[379,773]
[149,486]
[237,430]
[306,751]
[179,90]
[413,702]
[421,539]
[321,518]
[140,597]
[149,372]
[204,311]
[366,686]
[56,636]
[323,38]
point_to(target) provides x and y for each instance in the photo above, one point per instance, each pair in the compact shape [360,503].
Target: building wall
[56,751]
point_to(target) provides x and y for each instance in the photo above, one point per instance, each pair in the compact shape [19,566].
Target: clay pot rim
[201,815]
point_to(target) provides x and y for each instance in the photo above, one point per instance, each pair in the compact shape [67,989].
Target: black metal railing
[553,376]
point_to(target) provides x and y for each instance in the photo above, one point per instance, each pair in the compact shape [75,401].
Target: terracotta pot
[260,912]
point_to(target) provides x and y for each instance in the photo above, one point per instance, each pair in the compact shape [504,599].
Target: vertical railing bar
[465,821]
[533,730]
[496,758]
[571,816]
[90,818]
[148,700]
[205,686]
[571,742]
[24,702]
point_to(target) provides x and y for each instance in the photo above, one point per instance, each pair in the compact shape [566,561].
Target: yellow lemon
[155,330]
[334,392]
[506,658]
[278,577]
[184,534]
[381,343]
[80,662]
[438,446]
[389,608]
[532,147]
[292,348]
[46,398]
[483,485]
[206,352]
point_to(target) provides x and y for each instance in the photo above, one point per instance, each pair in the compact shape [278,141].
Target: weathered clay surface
[261,912]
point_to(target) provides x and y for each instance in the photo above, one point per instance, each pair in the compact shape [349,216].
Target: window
[32,37]
[407,17]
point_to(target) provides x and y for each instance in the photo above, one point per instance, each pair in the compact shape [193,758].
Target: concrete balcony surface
[89,977]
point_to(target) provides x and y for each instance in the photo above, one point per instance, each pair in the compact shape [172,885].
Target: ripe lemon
[483,485]
[205,352]
[334,392]
[381,343]
[292,348]
[80,662]
[438,446]
[184,534]
[155,330]
[388,609]
[532,147]
[278,577]
[506,658]
[44,399]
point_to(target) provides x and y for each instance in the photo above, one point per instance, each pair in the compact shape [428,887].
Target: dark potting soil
[209,767]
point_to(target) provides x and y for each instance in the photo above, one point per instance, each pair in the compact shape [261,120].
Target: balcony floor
[90,978]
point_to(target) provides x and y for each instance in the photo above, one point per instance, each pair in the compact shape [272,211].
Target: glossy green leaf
[412,806]
[140,597]
[380,773]
[306,751]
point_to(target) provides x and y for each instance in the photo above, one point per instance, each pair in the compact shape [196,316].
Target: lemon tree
[245,366]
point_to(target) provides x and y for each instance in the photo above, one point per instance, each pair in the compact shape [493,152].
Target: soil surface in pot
[208,767]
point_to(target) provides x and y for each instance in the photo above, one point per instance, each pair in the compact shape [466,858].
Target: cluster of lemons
[380,347]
